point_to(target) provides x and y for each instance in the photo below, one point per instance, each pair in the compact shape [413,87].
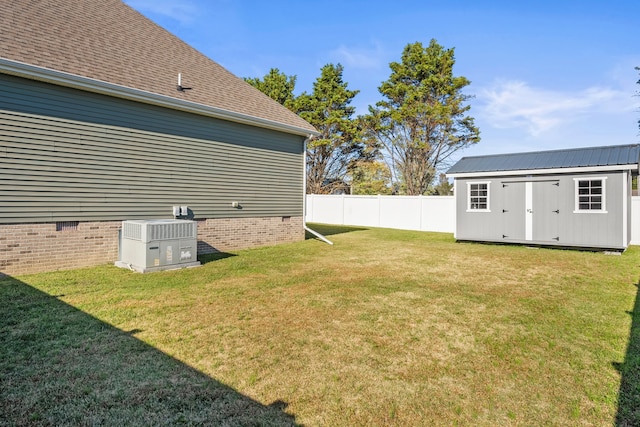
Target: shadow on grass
[207,253]
[61,366]
[215,256]
[629,395]
[330,230]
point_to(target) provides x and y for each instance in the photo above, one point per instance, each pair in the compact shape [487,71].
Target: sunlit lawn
[385,327]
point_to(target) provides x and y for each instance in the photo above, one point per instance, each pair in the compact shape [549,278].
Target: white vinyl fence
[423,213]
[635,220]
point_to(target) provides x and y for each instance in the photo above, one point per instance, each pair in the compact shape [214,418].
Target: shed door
[530,211]
[546,213]
[513,211]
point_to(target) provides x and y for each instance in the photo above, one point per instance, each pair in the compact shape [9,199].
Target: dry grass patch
[385,328]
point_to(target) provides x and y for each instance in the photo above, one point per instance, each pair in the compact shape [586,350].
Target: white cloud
[183,11]
[360,58]
[515,104]
[624,74]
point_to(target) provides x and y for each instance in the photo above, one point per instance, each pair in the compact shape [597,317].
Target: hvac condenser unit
[162,244]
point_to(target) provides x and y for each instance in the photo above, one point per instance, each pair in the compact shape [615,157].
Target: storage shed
[571,198]
[105,116]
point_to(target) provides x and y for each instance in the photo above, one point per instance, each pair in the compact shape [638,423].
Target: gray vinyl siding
[583,229]
[69,155]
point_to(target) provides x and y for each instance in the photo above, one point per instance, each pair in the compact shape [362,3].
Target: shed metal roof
[592,157]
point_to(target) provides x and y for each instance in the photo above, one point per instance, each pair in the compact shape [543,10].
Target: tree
[444,187]
[338,145]
[370,177]
[277,86]
[422,122]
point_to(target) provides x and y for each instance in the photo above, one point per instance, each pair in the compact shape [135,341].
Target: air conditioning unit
[161,244]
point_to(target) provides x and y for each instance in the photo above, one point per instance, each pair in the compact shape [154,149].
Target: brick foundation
[34,248]
[226,234]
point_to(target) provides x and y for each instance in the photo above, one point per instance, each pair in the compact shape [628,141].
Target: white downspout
[304,197]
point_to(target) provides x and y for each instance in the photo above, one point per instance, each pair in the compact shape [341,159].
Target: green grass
[386,327]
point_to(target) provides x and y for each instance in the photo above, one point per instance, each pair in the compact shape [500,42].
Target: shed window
[478,196]
[590,194]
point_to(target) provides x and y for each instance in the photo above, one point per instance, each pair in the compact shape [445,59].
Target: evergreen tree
[423,119]
[338,145]
[277,85]
[444,187]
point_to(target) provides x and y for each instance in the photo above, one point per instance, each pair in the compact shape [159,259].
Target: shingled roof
[108,41]
[608,157]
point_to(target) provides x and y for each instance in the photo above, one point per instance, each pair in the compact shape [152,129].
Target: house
[571,198]
[105,116]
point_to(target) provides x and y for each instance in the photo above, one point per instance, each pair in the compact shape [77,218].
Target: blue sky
[545,74]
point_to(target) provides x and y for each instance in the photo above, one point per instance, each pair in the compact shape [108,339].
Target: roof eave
[33,72]
[554,171]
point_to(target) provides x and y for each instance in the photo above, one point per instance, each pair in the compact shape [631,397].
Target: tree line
[402,144]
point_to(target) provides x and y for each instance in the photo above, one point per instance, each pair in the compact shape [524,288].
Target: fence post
[421,208]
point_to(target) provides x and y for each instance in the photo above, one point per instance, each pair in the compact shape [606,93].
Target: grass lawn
[386,327]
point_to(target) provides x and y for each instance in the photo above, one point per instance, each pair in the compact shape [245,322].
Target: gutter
[304,197]
[60,78]
[318,235]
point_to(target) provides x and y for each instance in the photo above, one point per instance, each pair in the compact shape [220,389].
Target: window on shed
[590,194]
[478,196]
